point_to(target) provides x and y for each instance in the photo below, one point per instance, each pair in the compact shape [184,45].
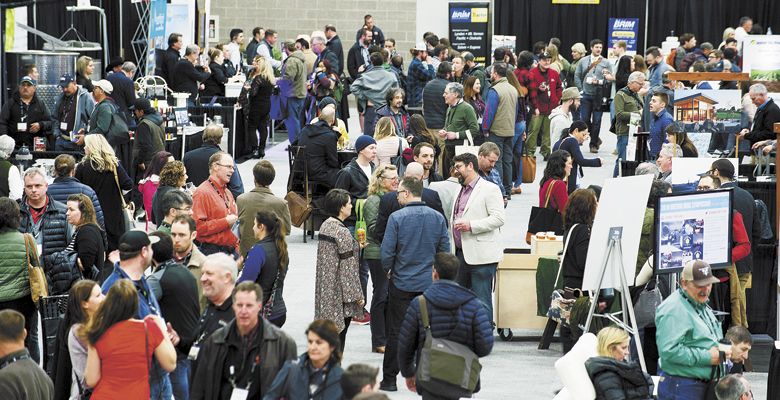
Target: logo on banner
[460,15]
[623,24]
[479,15]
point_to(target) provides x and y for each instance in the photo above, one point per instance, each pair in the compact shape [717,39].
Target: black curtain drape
[535,20]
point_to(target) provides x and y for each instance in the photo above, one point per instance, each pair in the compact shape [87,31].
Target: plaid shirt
[417,76]
[544,100]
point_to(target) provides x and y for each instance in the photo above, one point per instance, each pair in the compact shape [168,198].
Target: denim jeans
[591,116]
[293,120]
[679,388]
[180,379]
[478,278]
[622,143]
[65,145]
[517,151]
[378,303]
[504,144]
[159,383]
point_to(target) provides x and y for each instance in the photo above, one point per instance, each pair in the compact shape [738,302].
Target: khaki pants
[539,125]
[737,285]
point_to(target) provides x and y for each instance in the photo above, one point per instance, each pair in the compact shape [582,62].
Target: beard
[573,108]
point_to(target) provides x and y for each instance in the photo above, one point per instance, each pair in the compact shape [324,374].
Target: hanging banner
[761,57]
[469,28]
[157,41]
[625,29]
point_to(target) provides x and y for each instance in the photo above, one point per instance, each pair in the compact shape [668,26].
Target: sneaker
[364,320]
[614,152]
[388,387]
[594,149]
[517,190]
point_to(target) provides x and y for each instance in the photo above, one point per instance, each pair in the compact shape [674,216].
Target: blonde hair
[608,338]
[264,69]
[82,63]
[384,128]
[375,186]
[99,153]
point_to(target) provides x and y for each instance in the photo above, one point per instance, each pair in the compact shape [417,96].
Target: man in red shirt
[214,208]
[544,95]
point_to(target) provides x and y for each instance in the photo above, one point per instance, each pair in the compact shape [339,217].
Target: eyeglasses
[393,178]
[228,166]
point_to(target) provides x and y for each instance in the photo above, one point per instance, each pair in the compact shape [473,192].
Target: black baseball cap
[134,240]
[142,104]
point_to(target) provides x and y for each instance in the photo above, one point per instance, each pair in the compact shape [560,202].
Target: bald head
[328,114]
[414,170]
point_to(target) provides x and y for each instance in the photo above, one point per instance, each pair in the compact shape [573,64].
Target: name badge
[63,126]
[239,394]
[193,355]
[21,126]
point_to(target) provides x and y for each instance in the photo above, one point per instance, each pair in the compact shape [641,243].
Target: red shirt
[559,196]
[210,205]
[741,246]
[124,373]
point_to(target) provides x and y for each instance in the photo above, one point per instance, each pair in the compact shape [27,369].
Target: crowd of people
[198,285]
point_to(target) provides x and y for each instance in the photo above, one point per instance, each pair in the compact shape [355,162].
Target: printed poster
[469,28]
[625,29]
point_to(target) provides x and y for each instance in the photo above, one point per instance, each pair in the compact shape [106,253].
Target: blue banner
[625,29]
[157,11]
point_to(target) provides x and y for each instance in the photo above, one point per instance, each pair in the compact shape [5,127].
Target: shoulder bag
[39,287]
[445,367]
[562,300]
[300,209]
[128,210]
[467,146]
[360,224]
[544,219]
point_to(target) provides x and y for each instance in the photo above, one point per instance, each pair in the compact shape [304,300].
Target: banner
[157,40]
[761,57]
[469,28]
[505,41]
[625,29]
[575,1]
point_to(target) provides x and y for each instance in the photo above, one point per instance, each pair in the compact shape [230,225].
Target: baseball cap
[570,93]
[105,85]
[27,79]
[545,55]
[698,272]
[134,240]
[421,47]
[142,104]
[66,79]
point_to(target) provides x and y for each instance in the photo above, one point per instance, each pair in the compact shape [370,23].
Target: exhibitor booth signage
[469,28]
[625,29]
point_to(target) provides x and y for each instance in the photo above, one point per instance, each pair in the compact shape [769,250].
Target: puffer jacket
[64,186]
[292,382]
[352,179]
[55,237]
[14,281]
[618,380]
[455,313]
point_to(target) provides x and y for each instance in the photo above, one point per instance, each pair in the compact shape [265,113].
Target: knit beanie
[362,142]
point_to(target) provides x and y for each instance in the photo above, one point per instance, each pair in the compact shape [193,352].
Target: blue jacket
[658,131]
[293,380]
[657,73]
[147,303]
[64,186]
[416,78]
[455,313]
[413,236]
[85,104]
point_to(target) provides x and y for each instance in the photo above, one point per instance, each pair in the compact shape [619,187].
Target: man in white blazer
[477,215]
[448,190]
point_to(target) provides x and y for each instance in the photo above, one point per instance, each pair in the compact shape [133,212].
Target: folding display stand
[615,249]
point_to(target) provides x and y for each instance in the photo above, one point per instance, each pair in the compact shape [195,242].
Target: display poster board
[625,29]
[180,18]
[693,226]
[157,40]
[706,112]
[469,28]
[687,170]
[761,57]
[622,203]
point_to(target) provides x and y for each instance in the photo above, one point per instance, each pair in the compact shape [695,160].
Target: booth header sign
[469,28]
[575,1]
[625,29]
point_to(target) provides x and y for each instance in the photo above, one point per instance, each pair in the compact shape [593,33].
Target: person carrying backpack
[448,315]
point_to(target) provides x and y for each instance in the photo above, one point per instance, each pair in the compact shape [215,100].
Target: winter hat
[570,93]
[362,142]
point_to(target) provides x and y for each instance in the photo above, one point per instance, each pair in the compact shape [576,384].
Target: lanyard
[224,199]
[232,377]
[23,110]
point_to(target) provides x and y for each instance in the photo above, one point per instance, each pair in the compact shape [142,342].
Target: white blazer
[485,211]
[448,190]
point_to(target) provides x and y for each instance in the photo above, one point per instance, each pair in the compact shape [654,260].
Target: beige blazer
[485,211]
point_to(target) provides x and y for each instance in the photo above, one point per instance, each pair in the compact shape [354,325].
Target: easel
[615,249]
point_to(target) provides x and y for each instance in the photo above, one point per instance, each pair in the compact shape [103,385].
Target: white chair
[571,370]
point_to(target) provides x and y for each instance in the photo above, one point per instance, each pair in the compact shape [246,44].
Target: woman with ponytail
[571,140]
[266,263]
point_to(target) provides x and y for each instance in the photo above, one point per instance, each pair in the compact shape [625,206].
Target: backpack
[117,132]
[687,62]
[446,368]
[670,58]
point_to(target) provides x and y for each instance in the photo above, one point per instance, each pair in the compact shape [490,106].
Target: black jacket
[195,161]
[334,45]
[54,228]
[352,179]
[215,84]
[434,107]
[64,186]
[251,50]
[574,260]
[614,379]
[388,204]
[322,159]
[355,60]
[186,78]
[763,123]
[124,91]
[292,382]
[91,248]
[746,205]
[275,347]
[571,145]
[11,114]
[378,36]
[165,63]
[104,185]
[176,290]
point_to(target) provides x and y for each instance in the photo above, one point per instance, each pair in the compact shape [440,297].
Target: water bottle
[769,30]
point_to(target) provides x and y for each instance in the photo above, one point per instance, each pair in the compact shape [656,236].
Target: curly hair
[580,209]
[172,174]
[99,153]
[377,178]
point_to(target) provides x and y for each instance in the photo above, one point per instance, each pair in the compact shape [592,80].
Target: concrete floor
[514,370]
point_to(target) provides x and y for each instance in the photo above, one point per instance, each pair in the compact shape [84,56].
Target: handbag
[562,300]
[529,168]
[39,287]
[300,209]
[646,304]
[128,210]
[467,148]
[544,219]
[268,307]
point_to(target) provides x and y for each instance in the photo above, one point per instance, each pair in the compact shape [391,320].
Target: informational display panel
[469,28]
[625,29]
[693,226]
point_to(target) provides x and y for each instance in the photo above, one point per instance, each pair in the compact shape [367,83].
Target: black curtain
[539,20]
[52,18]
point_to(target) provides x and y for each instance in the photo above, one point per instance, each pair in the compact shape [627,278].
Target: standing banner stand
[773,387]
